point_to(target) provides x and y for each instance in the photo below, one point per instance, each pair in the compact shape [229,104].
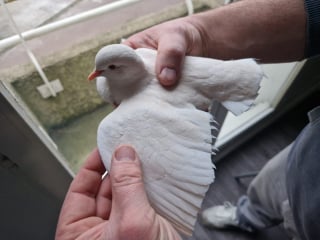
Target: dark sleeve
[303,178]
[313,27]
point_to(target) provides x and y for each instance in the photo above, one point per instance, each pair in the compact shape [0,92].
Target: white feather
[168,128]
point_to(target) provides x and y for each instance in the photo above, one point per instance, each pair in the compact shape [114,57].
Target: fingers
[171,43]
[80,201]
[144,39]
[126,173]
[130,203]
[94,162]
[104,199]
[172,49]
[88,180]
[126,178]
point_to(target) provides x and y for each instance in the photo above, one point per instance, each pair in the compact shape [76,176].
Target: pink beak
[94,74]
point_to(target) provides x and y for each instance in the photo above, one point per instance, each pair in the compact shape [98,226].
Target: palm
[112,208]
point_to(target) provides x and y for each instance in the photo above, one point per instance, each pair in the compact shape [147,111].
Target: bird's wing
[234,83]
[174,145]
[148,56]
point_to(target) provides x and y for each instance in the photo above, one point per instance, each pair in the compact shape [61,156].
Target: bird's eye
[112,67]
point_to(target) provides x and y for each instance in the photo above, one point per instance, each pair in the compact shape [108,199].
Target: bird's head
[120,70]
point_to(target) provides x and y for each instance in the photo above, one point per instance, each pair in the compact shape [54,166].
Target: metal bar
[189,7]
[12,41]
[29,52]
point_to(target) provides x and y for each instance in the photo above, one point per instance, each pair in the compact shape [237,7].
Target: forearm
[269,30]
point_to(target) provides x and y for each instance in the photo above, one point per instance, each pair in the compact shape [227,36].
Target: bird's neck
[125,89]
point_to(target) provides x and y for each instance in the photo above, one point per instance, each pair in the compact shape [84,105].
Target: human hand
[173,40]
[112,208]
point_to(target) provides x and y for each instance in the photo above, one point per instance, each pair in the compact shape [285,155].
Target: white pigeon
[170,129]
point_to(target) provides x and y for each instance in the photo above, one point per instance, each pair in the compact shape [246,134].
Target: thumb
[171,53]
[127,181]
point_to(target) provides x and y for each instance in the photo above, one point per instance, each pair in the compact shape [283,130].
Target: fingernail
[168,76]
[125,153]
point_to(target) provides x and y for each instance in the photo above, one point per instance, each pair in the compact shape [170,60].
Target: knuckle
[126,176]
[175,52]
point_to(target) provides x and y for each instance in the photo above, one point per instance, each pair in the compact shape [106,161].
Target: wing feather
[174,145]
